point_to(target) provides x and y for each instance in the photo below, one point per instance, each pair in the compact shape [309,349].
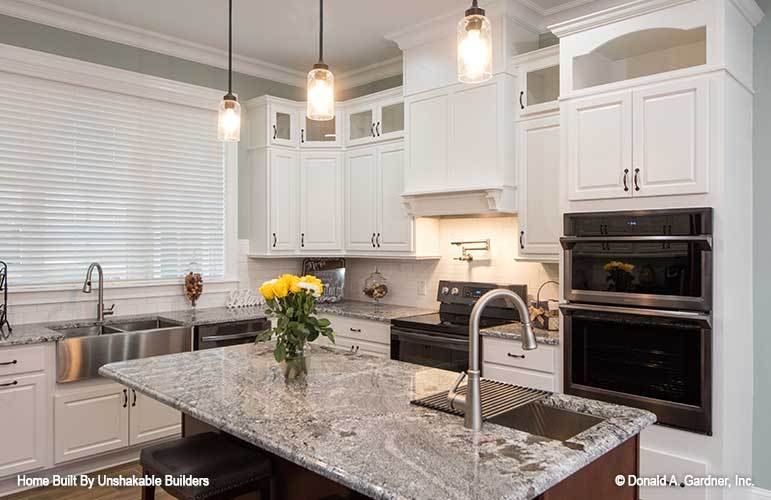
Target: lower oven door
[660,361]
[428,349]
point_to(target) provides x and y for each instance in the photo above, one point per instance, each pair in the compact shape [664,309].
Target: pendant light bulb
[229,111]
[321,82]
[475,46]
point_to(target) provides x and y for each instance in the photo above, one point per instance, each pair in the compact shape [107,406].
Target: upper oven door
[670,272]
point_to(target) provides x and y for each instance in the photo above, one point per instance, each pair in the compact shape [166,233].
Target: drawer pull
[355,330]
[519,356]
[6,363]
[9,383]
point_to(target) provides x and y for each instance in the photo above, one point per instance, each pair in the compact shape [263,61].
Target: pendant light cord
[230,46]
[321,31]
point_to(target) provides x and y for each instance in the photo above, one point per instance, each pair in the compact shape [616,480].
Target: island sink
[547,421]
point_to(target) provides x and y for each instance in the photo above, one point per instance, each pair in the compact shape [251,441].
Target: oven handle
[705,240]
[704,319]
[428,338]
[235,336]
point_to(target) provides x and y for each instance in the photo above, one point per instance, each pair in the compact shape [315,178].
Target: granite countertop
[35,333]
[351,422]
[513,331]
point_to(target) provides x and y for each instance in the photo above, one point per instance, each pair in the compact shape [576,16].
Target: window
[91,175]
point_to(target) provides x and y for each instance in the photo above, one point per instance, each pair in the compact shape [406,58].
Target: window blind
[88,175]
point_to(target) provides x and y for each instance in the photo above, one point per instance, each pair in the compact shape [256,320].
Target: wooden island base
[595,481]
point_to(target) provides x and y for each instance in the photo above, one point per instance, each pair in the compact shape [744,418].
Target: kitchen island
[352,423]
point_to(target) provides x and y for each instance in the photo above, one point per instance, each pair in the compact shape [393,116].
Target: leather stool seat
[232,466]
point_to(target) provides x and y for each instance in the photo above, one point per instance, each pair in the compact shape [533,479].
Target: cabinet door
[538,160]
[320,201]
[23,413]
[474,125]
[284,126]
[150,419]
[671,126]
[361,199]
[599,147]
[539,88]
[320,134]
[395,228]
[390,119]
[284,173]
[361,124]
[91,421]
[428,138]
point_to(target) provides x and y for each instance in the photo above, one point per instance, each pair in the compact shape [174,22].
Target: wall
[498,267]
[762,293]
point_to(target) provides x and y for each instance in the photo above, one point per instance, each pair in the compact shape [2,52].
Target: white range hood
[472,201]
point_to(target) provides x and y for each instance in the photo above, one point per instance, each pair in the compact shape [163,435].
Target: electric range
[440,340]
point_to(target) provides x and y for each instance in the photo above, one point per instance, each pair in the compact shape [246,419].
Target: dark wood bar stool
[232,467]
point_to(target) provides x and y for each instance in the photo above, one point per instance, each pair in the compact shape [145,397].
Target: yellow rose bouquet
[292,300]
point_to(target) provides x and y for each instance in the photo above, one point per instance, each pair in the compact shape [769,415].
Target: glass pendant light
[229,119]
[321,82]
[475,47]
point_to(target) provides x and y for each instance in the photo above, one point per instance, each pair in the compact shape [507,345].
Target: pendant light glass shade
[475,47]
[321,94]
[229,120]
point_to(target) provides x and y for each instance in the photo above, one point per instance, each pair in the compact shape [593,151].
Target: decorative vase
[296,367]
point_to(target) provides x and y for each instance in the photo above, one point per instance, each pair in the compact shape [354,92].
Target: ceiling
[283,32]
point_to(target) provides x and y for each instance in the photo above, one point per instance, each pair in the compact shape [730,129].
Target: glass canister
[376,286]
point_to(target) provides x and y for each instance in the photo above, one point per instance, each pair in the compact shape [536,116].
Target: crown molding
[612,15]
[750,10]
[42,12]
[369,74]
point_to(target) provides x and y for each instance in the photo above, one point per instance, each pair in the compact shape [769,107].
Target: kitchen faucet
[101,312]
[471,403]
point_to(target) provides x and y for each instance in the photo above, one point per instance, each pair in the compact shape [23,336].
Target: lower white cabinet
[505,360]
[361,335]
[107,417]
[538,166]
[24,409]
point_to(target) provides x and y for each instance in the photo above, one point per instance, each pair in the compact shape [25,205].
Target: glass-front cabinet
[321,134]
[284,125]
[539,81]
[375,119]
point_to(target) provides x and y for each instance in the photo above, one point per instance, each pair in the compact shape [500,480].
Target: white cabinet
[428,141]
[651,141]
[284,124]
[375,118]
[376,220]
[360,335]
[91,421]
[97,418]
[284,166]
[538,79]
[320,134]
[505,360]
[538,166]
[150,420]
[320,201]
[23,412]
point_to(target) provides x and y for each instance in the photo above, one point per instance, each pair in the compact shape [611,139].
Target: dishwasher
[227,334]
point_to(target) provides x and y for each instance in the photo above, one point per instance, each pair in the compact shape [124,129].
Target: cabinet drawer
[361,346]
[22,360]
[509,353]
[361,329]
[516,376]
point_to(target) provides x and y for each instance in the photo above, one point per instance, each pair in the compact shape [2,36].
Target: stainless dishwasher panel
[227,334]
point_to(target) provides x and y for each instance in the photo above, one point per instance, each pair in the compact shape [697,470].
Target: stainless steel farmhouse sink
[85,349]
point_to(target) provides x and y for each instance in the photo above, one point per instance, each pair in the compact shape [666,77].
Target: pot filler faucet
[101,312]
[471,403]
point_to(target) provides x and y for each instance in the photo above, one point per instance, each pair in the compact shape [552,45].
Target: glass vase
[296,367]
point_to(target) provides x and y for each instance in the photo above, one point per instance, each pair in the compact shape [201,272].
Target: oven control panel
[467,293]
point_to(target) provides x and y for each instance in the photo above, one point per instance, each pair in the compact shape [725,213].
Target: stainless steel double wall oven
[638,323]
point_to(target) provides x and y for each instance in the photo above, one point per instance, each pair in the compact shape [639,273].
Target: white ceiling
[278,32]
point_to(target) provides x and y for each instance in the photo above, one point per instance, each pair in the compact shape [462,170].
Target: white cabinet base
[24,440]
[150,420]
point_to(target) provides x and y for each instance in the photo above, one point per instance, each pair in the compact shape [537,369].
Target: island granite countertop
[352,422]
[35,333]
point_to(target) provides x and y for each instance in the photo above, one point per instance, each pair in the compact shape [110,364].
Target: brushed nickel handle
[6,363]
[626,175]
[9,383]
[520,356]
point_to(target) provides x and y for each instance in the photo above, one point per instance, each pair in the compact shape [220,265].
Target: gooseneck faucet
[101,312]
[471,403]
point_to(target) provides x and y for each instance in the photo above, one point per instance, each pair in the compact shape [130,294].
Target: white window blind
[87,175]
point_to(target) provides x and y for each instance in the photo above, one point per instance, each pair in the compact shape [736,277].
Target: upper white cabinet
[376,221]
[320,201]
[651,141]
[320,134]
[538,80]
[374,118]
[284,124]
[538,164]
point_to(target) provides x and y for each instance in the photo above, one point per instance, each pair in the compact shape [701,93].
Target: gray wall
[68,44]
[762,243]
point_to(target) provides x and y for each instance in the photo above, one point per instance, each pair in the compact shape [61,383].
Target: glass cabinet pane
[392,118]
[360,125]
[283,126]
[543,85]
[320,131]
